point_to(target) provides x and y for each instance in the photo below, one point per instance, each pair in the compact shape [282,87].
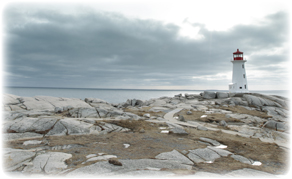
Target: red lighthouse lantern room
[238,55]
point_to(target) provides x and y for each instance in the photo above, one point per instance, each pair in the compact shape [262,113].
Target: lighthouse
[239,81]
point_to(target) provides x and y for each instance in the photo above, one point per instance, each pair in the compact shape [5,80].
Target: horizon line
[129,89]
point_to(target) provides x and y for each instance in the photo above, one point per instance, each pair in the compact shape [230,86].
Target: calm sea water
[112,95]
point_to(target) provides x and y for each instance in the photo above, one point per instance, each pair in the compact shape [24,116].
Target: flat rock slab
[97,169]
[64,102]
[84,112]
[144,163]
[38,105]
[32,142]
[9,99]
[146,173]
[15,158]
[206,154]
[37,125]
[104,168]
[211,141]
[16,136]
[221,152]
[247,172]
[91,155]
[50,163]
[104,157]
[242,159]
[195,158]
[174,156]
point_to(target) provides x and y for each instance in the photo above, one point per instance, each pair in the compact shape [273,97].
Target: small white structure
[239,81]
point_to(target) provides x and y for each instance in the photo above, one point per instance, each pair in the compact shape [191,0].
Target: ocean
[113,95]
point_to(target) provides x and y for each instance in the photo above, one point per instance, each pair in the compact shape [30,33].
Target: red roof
[238,52]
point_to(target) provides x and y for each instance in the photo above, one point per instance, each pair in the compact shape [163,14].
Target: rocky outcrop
[16,103]
[47,126]
[259,101]
[31,124]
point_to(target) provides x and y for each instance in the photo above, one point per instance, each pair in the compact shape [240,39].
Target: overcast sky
[145,45]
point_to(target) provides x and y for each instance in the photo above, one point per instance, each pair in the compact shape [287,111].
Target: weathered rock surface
[158,103]
[278,126]
[206,154]
[16,158]
[34,120]
[209,95]
[221,95]
[177,129]
[104,168]
[48,163]
[242,159]
[211,141]
[259,101]
[174,156]
[42,103]
[247,172]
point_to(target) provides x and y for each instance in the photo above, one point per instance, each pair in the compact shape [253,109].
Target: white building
[239,81]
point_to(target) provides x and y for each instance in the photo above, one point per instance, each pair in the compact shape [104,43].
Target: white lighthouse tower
[239,81]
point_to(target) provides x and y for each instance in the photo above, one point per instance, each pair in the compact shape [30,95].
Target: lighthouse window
[242,66]
[245,86]
[243,75]
[240,87]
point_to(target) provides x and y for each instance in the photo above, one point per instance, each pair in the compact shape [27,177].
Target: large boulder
[192,96]
[221,95]
[209,95]
[259,101]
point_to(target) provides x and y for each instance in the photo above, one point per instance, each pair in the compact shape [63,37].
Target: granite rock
[174,156]
[209,95]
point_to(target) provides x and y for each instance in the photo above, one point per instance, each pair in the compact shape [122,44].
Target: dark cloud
[102,49]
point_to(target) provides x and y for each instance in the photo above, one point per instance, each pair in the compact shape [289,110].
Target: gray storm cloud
[105,49]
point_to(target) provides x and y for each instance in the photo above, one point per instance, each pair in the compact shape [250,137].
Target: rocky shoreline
[211,134]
